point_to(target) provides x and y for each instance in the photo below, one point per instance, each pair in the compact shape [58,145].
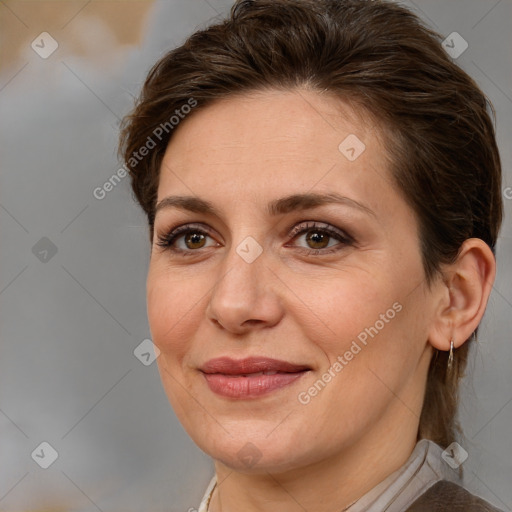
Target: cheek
[173,307]
[361,326]
[336,311]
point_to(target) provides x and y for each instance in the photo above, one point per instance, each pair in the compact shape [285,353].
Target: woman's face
[299,256]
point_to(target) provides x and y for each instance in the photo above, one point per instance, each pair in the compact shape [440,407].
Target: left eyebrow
[284,205]
[313,200]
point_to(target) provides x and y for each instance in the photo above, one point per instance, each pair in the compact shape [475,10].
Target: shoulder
[445,495]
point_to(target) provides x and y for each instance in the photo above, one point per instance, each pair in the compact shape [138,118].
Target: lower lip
[249,387]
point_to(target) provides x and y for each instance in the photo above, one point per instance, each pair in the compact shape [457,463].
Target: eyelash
[166,240]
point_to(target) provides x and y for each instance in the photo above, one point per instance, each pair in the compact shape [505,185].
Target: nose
[245,296]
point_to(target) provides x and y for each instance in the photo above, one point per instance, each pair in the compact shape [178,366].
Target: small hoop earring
[450,357]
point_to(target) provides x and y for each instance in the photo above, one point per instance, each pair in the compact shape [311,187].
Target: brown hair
[378,56]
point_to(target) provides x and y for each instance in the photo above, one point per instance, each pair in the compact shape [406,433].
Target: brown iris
[195,240]
[320,240]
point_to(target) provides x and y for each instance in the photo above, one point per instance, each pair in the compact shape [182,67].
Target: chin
[251,450]
[251,459]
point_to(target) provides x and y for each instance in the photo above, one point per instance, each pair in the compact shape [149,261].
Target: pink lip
[234,378]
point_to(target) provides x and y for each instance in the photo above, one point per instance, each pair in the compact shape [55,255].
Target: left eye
[320,237]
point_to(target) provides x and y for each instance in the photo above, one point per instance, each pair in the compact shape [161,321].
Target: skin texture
[240,154]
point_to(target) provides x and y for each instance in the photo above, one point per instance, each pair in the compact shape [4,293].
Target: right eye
[185,239]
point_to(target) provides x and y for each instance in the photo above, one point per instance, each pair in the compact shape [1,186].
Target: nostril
[252,322]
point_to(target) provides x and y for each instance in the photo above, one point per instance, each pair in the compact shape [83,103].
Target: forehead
[274,140]
[300,116]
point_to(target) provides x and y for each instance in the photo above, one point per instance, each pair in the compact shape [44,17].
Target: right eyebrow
[188,203]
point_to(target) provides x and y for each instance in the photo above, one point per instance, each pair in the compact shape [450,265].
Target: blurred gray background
[73,267]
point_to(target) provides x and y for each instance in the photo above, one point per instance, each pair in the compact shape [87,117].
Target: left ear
[467,286]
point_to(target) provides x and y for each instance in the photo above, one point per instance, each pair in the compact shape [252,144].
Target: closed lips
[250,378]
[257,374]
[251,366]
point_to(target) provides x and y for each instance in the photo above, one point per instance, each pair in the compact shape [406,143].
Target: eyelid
[304,226]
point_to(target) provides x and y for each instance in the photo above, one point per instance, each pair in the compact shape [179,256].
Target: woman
[322,187]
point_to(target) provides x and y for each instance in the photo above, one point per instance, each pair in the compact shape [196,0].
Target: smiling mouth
[250,377]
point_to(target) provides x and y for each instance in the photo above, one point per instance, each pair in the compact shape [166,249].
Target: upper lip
[228,366]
